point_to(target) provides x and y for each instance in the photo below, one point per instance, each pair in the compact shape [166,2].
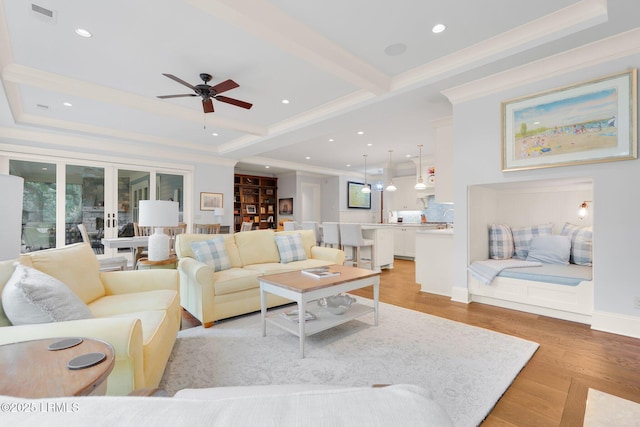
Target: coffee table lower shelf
[323,321]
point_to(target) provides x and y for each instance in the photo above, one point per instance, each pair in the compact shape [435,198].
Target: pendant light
[366,189]
[390,187]
[420,185]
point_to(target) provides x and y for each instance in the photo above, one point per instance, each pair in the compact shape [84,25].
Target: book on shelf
[320,272]
[294,316]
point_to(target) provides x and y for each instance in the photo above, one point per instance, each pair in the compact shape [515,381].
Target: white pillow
[31,296]
[550,249]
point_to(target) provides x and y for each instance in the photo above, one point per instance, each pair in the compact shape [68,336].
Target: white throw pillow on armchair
[31,296]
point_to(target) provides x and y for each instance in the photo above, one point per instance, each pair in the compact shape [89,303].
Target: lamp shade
[158,213]
[11,188]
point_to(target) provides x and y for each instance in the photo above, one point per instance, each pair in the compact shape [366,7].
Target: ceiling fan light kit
[208,93]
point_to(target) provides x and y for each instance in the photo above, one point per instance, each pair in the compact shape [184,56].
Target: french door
[104,198]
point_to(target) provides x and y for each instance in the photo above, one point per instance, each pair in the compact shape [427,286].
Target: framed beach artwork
[594,121]
[210,201]
[356,198]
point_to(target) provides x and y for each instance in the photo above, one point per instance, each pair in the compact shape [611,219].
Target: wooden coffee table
[29,369]
[303,289]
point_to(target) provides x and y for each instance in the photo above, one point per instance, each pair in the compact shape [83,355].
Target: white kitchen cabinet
[406,198]
[434,261]
[404,241]
[383,243]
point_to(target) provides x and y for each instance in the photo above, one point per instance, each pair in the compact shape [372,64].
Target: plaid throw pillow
[213,253]
[522,237]
[500,241]
[290,248]
[581,243]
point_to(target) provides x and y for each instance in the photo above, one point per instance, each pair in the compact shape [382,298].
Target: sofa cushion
[500,241]
[75,265]
[581,243]
[235,280]
[134,302]
[290,248]
[523,235]
[550,249]
[31,296]
[213,253]
[257,246]
[184,249]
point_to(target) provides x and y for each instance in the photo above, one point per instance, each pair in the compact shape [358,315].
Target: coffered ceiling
[345,67]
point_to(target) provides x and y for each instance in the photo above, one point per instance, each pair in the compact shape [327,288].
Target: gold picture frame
[210,201]
[588,122]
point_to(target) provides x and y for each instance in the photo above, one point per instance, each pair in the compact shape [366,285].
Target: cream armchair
[137,312]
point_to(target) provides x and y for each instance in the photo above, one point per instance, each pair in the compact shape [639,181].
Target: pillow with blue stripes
[290,248]
[522,237]
[581,243]
[213,253]
[500,241]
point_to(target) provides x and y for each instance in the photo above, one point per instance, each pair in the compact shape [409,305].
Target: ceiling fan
[207,93]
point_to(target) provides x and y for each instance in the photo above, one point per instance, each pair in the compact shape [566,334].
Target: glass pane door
[133,186]
[39,204]
[85,204]
[171,187]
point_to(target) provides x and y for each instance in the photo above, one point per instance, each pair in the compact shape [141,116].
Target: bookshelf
[255,200]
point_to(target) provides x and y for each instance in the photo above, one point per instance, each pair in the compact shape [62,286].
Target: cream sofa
[137,312]
[211,296]
[284,406]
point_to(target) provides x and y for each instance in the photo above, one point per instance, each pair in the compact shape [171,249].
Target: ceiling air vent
[43,13]
[42,106]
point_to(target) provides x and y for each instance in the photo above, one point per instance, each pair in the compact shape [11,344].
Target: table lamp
[10,216]
[158,214]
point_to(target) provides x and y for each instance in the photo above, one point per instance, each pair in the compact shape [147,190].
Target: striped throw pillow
[290,248]
[213,253]
[522,237]
[581,243]
[500,241]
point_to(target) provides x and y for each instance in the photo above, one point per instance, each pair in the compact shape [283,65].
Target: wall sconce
[584,209]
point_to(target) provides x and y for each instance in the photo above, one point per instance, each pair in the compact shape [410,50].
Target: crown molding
[606,50]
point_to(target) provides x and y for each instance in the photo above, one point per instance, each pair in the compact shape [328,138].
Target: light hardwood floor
[571,355]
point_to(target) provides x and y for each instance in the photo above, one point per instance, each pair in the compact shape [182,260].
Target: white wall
[209,178]
[477,148]
[287,187]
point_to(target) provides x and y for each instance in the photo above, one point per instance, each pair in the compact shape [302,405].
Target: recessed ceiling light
[83,33]
[408,155]
[395,49]
[214,134]
[360,132]
[67,104]
[308,158]
[330,139]
[369,144]
[348,165]
[267,167]
[438,28]
[285,101]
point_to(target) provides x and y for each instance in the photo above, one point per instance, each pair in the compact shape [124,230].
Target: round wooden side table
[30,370]
[145,264]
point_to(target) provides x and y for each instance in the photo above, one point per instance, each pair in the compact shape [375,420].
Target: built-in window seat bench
[561,291]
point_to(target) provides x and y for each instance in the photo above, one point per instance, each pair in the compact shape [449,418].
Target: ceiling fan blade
[225,86]
[235,102]
[172,77]
[207,105]
[176,96]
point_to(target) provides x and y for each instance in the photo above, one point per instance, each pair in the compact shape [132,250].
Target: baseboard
[460,295]
[528,308]
[616,324]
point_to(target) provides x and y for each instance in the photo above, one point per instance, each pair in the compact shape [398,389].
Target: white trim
[605,50]
[527,308]
[459,294]
[616,323]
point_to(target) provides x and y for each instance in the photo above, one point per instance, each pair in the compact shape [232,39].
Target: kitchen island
[382,252]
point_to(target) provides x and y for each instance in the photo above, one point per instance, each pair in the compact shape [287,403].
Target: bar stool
[313,226]
[351,237]
[331,234]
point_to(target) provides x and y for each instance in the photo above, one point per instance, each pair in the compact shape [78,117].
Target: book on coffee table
[320,272]
[295,317]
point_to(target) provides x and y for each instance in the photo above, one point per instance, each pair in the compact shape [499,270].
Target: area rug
[467,368]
